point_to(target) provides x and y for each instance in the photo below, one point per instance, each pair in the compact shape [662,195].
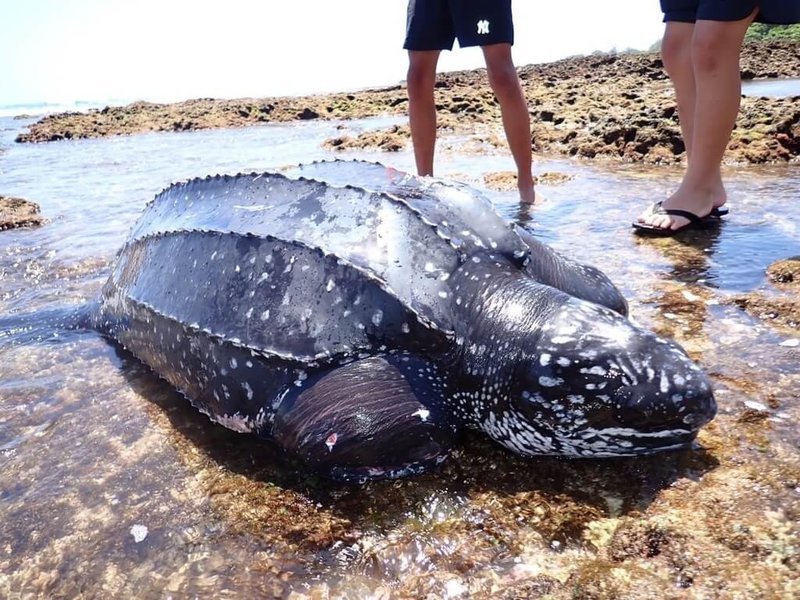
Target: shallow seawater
[111,484]
[776,88]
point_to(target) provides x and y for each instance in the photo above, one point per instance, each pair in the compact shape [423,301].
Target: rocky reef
[17,212]
[615,106]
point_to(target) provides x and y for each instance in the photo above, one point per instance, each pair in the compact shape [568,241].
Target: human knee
[420,82]
[710,51]
[504,79]
[674,54]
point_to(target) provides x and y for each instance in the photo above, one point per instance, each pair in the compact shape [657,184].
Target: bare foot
[527,193]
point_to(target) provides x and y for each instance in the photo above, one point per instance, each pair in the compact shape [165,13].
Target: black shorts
[435,24]
[770,11]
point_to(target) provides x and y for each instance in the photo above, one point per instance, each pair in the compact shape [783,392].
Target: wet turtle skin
[360,318]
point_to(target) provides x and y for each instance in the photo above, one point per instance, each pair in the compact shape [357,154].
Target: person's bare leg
[422,107]
[676,53]
[716,46]
[516,118]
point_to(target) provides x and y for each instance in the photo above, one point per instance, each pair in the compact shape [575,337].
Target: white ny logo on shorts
[483,26]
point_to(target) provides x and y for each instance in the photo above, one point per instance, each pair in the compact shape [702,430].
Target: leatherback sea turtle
[361,328]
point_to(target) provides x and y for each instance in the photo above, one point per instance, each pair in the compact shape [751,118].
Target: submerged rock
[780,310]
[17,212]
[785,273]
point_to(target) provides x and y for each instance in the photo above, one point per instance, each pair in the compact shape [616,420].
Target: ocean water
[43,108]
[111,484]
[776,88]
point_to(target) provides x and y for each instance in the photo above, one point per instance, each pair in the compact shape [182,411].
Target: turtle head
[594,384]
[543,372]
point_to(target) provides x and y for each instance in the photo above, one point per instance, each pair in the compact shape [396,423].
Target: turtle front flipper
[375,418]
[583,281]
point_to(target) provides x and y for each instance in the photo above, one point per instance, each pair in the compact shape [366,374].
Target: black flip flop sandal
[695,221]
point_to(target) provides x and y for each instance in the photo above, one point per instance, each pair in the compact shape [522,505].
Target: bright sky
[163,50]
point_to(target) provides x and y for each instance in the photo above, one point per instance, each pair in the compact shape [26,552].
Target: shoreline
[615,106]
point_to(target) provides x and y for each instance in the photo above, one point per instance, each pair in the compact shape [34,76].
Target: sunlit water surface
[776,88]
[110,483]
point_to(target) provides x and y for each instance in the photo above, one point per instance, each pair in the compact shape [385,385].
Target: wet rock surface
[785,273]
[602,106]
[779,306]
[18,212]
[506,181]
[391,140]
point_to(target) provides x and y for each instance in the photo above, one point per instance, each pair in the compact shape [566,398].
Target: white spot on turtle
[301,377]
[664,383]
[330,285]
[265,315]
[236,422]
[422,413]
[377,318]
[550,381]
[595,370]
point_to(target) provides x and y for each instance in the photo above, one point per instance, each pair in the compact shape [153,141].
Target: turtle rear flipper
[376,418]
